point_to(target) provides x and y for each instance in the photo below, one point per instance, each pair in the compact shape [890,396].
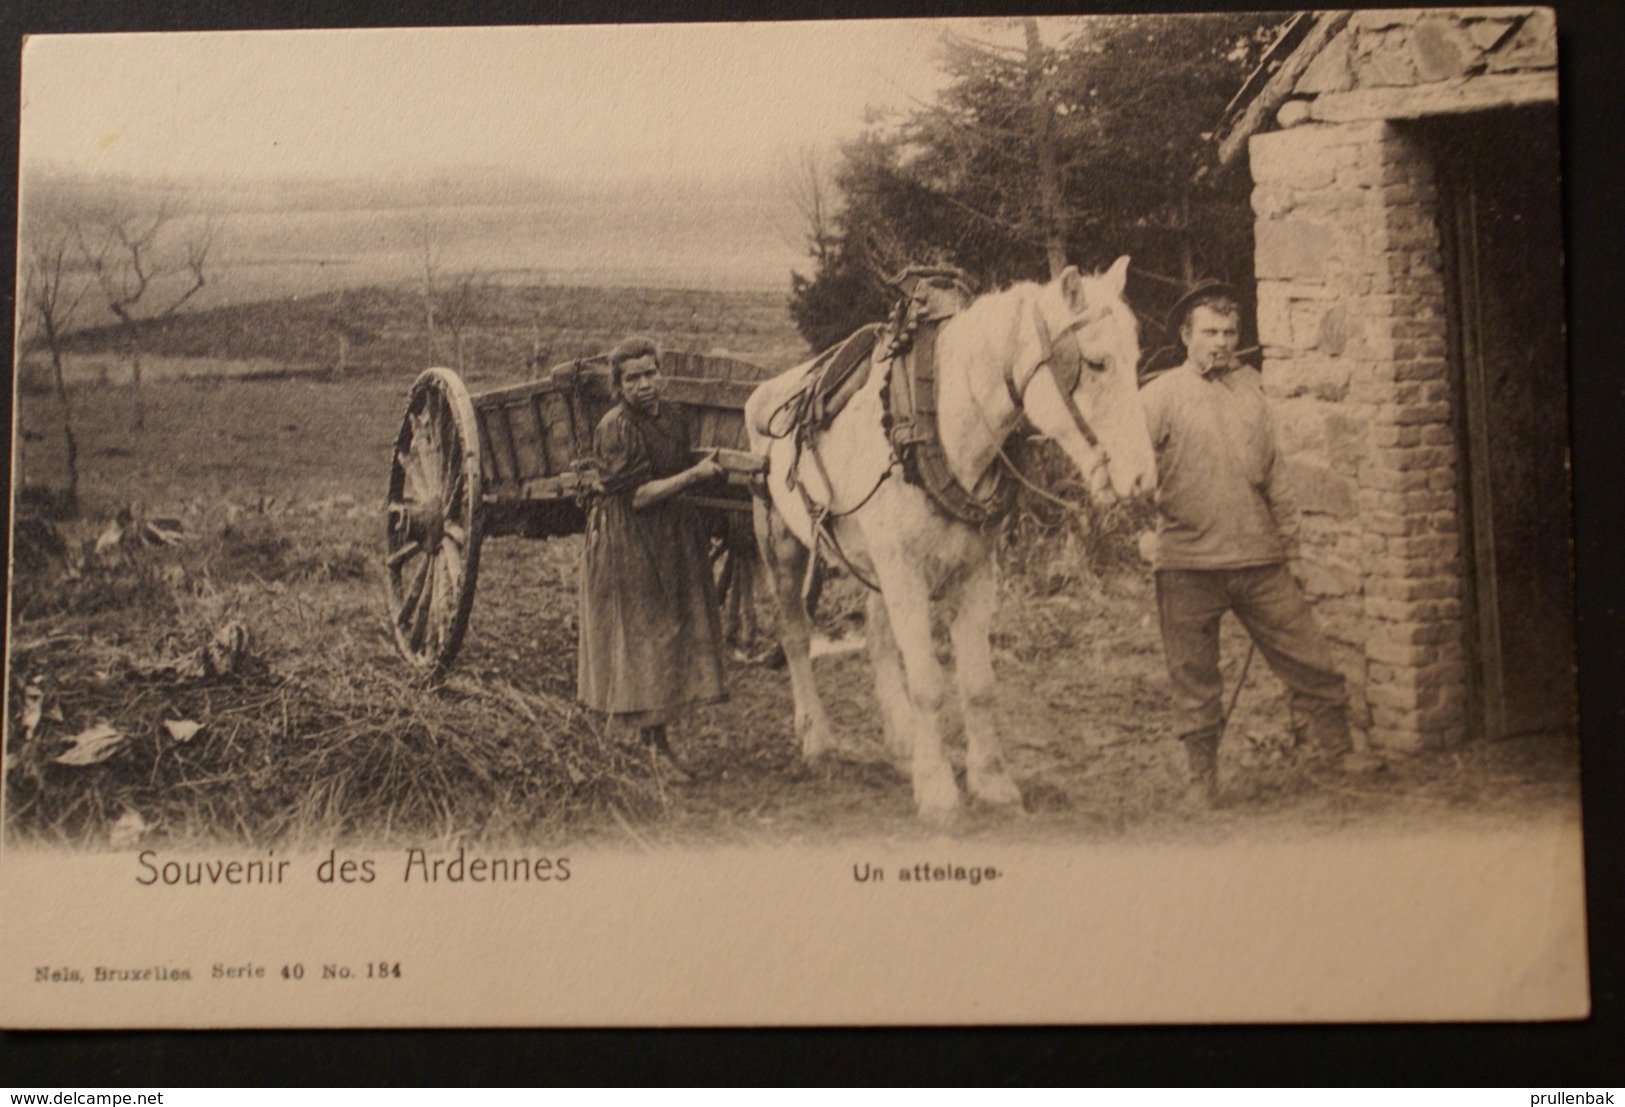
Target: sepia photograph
[1054,519]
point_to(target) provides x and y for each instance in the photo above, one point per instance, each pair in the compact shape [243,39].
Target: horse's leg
[749,578]
[970,631]
[728,585]
[908,604]
[891,690]
[786,561]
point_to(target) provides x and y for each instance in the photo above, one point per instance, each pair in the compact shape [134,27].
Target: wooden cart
[518,461]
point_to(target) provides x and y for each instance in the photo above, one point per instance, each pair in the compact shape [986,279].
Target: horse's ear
[1072,287]
[1117,276]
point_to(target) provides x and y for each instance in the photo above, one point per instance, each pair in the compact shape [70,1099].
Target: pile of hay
[155,698]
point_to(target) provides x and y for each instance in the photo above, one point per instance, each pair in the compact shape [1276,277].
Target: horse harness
[1066,381]
[930,297]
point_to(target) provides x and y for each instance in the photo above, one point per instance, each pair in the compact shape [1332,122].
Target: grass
[320,734]
[323,735]
[278,482]
[385,330]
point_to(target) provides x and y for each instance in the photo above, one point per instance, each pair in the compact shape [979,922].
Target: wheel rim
[433,520]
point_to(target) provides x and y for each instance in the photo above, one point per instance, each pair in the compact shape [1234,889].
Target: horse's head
[1075,379]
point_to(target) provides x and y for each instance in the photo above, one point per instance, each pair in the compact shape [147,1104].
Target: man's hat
[1200,290]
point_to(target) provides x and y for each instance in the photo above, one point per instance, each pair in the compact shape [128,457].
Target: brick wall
[1351,314]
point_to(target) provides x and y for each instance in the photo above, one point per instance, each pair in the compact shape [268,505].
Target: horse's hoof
[814,753]
[939,814]
[937,797]
[816,739]
[995,788]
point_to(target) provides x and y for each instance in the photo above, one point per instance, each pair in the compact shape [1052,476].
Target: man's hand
[1295,566]
[1147,545]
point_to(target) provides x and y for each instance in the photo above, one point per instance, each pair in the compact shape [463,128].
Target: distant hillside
[383,328]
[276,239]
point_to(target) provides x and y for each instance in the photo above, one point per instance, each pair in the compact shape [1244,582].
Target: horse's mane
[1015,296]
[1021,293]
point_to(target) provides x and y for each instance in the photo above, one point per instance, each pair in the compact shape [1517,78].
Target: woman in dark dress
[651,638]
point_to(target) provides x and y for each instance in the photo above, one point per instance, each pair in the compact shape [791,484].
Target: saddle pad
[839,373]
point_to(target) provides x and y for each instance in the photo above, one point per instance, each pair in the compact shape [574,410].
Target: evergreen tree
[1092,145]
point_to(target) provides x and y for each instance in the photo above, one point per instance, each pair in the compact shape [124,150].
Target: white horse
[1001,357]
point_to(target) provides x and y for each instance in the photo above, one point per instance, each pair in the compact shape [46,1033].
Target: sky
[592,104]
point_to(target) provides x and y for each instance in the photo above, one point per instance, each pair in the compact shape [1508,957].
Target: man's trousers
[1269,603]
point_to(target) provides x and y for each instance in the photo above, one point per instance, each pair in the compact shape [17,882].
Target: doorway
[1500,214]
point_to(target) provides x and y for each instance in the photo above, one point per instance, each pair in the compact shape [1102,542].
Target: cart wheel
[434,521]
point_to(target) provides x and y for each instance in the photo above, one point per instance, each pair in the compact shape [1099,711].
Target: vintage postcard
[1015,520]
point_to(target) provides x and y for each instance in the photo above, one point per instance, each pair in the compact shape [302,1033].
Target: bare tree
[428,244]
[132,257]
[813,193]
[459,302]
[48,302]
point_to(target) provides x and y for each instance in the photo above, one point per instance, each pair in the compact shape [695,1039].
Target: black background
[1566,1055]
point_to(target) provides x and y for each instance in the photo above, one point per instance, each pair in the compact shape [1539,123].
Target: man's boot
[1202,753]
[1325,740]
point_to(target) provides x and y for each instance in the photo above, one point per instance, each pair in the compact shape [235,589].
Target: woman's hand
[707,468]
[658,491]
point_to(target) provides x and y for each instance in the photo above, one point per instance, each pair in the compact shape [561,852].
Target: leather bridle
[1065,378]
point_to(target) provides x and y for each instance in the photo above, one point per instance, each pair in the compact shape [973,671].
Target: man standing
[1226,534]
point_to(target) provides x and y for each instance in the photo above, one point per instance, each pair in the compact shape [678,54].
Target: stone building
[1410,307]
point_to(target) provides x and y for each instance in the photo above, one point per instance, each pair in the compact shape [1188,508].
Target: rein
[819,515]
[1021,477]
[1018,397]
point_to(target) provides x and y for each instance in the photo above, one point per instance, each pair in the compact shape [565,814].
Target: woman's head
[631,349]
[634,368]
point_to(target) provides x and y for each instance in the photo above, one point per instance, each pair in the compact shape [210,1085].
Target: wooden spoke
[424,467]
[408,609]
[434,442]
[451,501]
[424,606]
[412,480]
[405,553]
[448,575]
[457,535]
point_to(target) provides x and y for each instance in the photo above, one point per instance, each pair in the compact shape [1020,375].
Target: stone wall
[1352,318]
[1423,48]
[1351,314]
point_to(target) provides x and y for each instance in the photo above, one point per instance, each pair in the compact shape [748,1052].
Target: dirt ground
[1085,722]
[279,483]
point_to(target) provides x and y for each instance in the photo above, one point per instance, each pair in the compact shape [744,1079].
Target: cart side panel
[721,420]
[532,436]
[717,406]
[695,367]
[563,441]
[496,465]
[526,434]
[730,429]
